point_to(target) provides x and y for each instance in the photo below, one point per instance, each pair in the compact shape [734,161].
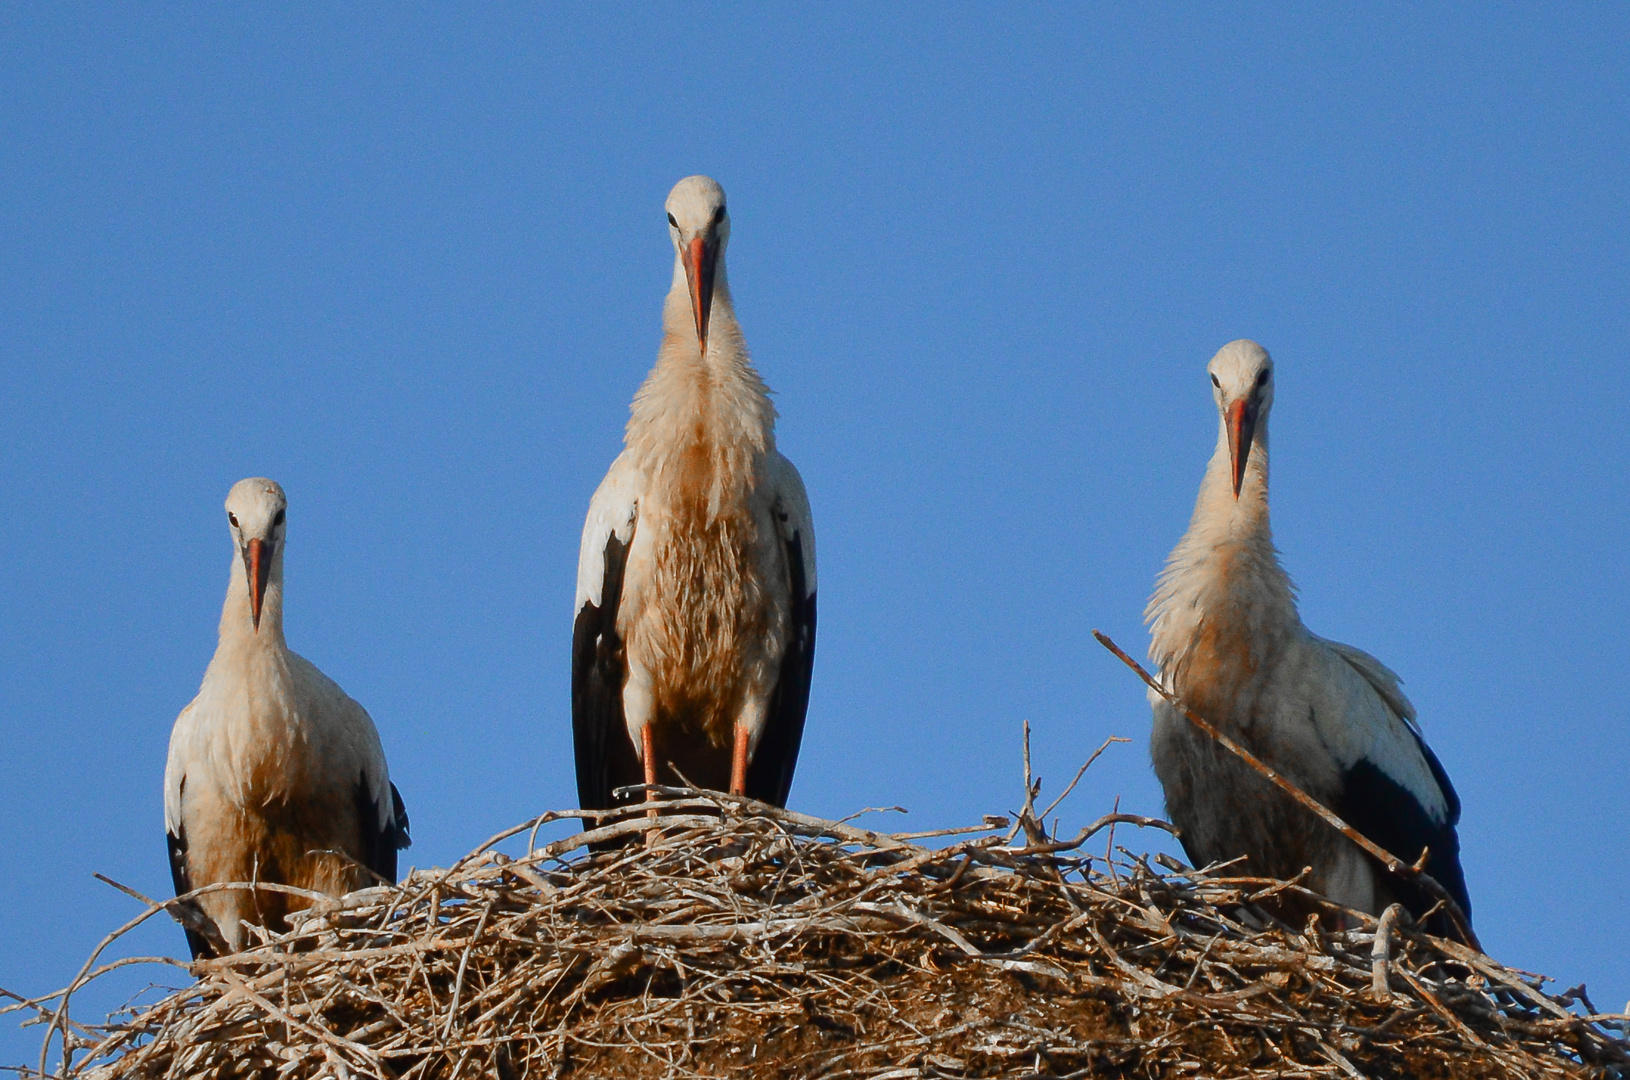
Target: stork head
[1242,382]
[256,509]
[700,228]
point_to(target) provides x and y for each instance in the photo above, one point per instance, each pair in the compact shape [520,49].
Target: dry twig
[748,941]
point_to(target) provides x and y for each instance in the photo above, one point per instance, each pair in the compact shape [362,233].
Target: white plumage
[1229,642]
[695,625]
[274,774]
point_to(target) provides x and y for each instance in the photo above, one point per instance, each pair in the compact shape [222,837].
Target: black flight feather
[606,759]
[380,843]
[1384,811]
[183,884]
[769,775]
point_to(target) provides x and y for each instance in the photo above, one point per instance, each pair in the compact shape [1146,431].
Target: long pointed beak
[257,563]
[1241,419]
[700,258]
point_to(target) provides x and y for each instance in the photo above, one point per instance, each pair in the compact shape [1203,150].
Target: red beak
[1241,420]
[257,563]
[700,258]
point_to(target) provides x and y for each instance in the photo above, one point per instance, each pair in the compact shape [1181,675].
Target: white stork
[695,627]
[274,774]
[1229,642]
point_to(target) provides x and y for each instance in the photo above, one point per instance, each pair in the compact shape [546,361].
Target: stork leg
[648,751]
[738,762]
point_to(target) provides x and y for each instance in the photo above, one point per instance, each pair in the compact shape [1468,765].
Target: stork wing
[1386,812]
[1393,788]
[175,833]
[1378,675]
[177,842]
[175,766]
[605,755]
[384,827]
[381,820]
[769,777]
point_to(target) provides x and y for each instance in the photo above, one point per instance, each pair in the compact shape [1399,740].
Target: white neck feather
[707,419]
[1223,602]
[237,626]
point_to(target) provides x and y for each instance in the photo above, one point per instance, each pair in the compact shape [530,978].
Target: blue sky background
[411,264]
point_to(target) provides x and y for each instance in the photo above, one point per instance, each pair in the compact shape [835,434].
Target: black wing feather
[1380,808]
[400,819]
[769,776]
[183,884]
[605,756]
[380,843]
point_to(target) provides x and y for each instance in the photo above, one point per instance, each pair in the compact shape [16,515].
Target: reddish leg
[649,752]
[738,764]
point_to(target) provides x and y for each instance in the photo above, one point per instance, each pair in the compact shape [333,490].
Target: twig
[741,923]
[1082,771]
[185,912]
[1381,952]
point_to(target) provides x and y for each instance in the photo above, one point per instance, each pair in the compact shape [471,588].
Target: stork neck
[726,351]
[237,622]
[696,411]
[1218,512]
[1224,602]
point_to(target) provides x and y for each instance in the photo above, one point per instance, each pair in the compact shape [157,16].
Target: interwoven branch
[729,938]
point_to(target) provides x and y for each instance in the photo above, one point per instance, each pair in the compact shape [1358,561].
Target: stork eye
[672,222]
[232,518]
[718,215]
[1262,379]
[278,520]
[1215,383]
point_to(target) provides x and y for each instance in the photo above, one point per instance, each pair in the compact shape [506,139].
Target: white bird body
[696,576]
[1228,640]
[272,768]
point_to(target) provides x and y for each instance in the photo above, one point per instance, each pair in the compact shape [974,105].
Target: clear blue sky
[410,265]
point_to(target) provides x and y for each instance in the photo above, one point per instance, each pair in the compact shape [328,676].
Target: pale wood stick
[1381,953]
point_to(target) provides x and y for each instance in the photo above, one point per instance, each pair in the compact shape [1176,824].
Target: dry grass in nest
[738,940]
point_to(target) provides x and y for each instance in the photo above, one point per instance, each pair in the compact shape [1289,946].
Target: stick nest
[730,939]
